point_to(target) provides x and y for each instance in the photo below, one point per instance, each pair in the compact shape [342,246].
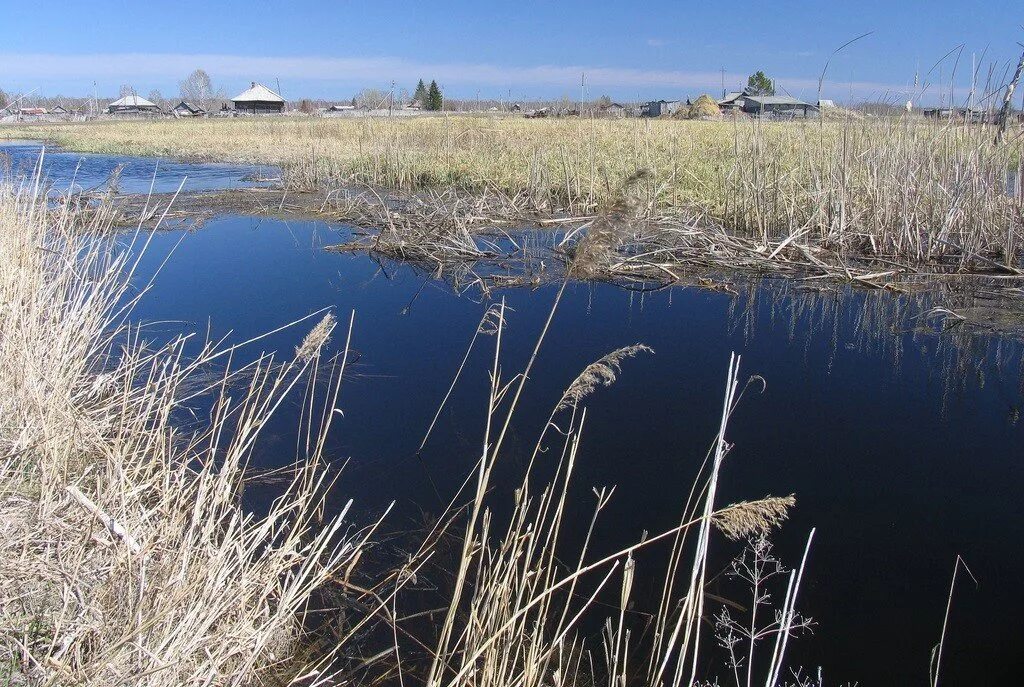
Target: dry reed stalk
[126,555]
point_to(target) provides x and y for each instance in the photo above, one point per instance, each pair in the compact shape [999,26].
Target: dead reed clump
[125,554]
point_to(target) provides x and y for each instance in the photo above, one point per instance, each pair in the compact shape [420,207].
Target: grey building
[782,106]
[657,108]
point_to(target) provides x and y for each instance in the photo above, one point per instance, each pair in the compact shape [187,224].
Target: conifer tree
[435,101]
[420,96]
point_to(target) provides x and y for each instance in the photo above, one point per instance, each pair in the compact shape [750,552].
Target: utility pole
[970,99]
[723,83]
[391,104]
[583,80]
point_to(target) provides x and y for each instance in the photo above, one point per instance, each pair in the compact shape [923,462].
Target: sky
[518,49]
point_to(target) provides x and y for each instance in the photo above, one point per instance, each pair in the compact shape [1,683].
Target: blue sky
[629,50]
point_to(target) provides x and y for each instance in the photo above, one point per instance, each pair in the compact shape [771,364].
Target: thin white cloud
[236,69]
[657,42]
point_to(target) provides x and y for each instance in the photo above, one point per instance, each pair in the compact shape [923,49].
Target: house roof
[188,106]
[776,100]
[257,93]
[132,101]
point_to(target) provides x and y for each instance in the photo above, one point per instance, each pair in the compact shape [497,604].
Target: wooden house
[258,99]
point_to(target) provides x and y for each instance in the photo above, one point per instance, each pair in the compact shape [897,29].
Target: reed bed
[126,556]
[886,188]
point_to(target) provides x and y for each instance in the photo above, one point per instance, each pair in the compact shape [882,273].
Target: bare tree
[156,98]
[198,90]
[371,98]
[126,90]
[1004,111]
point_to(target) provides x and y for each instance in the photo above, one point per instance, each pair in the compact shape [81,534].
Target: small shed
[132,104]
[32,111]
[258,99]
[59,110]
[776,106]
[184,109]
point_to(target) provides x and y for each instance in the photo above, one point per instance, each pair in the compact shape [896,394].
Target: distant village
[199,99]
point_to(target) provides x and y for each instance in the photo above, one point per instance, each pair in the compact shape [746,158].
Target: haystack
[704,107]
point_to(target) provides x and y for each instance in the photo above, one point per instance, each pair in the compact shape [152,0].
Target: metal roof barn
[258,99]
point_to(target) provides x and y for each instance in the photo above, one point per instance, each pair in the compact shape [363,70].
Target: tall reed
[126,556]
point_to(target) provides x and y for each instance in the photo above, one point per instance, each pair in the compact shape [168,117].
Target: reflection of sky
[897,476]
[91,172]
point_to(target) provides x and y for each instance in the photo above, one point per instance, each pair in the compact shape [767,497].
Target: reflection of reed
[968,341]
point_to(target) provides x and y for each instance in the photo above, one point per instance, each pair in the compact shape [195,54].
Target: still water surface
[63,171]
[903,449]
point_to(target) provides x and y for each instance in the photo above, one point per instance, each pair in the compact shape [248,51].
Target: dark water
[903,448]
[900,455]
[65,170]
